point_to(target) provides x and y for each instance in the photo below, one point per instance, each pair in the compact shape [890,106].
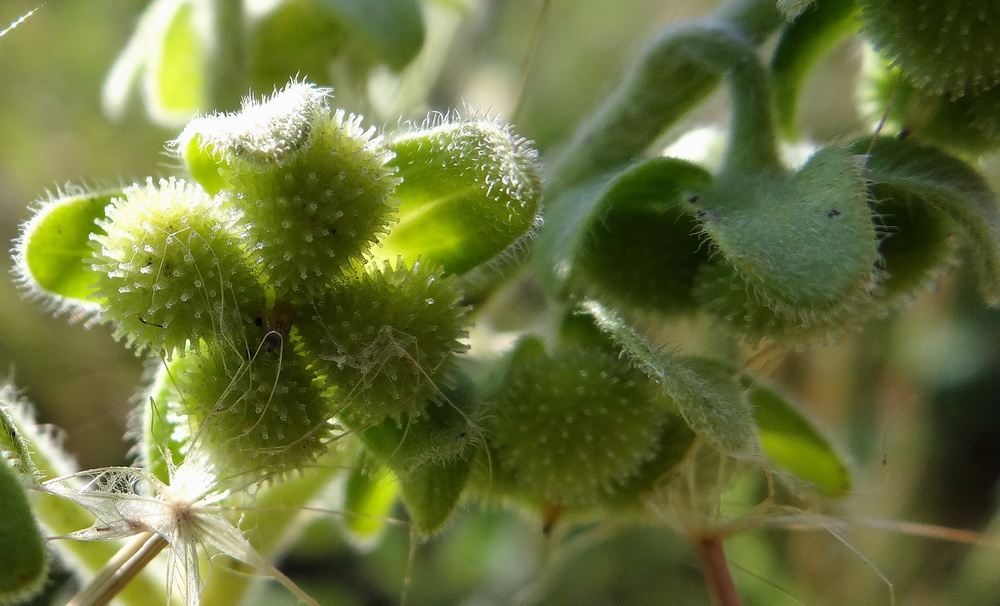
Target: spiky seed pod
[172,268]
[387,338]
[570,427]
[257,417]
[313,185]
[946,46]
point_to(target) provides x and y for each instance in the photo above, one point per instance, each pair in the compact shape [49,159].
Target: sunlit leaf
[52,255]
[793,443]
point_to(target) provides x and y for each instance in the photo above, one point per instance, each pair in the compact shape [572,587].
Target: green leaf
[175,78]
[470,190]
[369,496]
[627,238]
[803,247]
[206,166]
[394,29]
[794,444]
[25,557]
[801,44]
[901,169]
[432,492]
[52,255]
[707,394]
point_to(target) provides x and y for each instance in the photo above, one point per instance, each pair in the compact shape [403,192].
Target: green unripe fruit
[569,428]
[172,268]
[25,559]
[313,186]
[966,124]
[946,46]
[256,417]
[386,338]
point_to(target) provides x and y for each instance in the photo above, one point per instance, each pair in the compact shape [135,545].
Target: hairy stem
[672,76]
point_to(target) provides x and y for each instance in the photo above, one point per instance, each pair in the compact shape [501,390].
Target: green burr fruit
[172,268]
[257,417]
[569,428]
[947,46]
[313,185]
[386,338]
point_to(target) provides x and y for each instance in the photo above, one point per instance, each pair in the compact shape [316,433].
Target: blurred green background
[914,400]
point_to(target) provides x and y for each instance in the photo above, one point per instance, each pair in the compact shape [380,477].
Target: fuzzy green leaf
[25,557]
[898,168]
[628,238]
[793,443]
[52,256]
[394,29]
[800,46]
[798,255]
[706,392]
[432,492]
[806,242]
[59,516]
[470,190]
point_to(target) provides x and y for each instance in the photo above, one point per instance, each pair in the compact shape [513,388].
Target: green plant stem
[673,75]
[720,583]
[752,146]
[116,574]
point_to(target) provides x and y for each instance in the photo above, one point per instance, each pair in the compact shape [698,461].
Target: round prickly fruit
[570,428]
[387,338]
[314,186]
[255,417]
[943,45]
[172,268]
